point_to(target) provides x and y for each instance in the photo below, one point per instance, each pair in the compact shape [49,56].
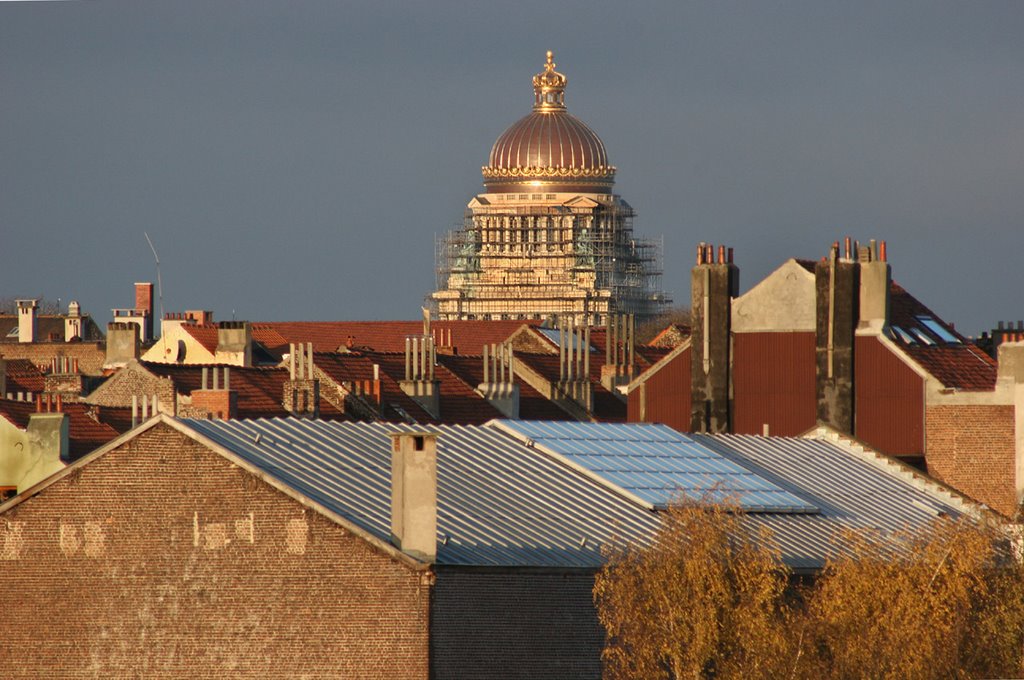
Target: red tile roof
[205,334]
[532,405]
[468,337]
[85,433]
[24,376]
[343,368]
[607,407]
[460,403]
[956,365]
[260,390]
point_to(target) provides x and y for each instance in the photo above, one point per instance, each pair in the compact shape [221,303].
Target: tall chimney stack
[713,285]
[414,494]
[144,307]
[836,290]
[875,279]
[28,318]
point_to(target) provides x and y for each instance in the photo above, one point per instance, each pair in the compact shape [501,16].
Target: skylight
[657,464]
[938,329]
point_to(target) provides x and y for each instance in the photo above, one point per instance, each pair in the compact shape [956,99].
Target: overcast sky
[295,160]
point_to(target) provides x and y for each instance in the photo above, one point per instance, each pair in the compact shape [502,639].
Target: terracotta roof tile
[85,433]
[260,390]
[532,405]
[956,365]
[607,407]
[205,334]
[24,376]
[468,337]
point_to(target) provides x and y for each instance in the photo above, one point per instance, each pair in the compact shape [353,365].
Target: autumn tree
[704,598]
[944,601]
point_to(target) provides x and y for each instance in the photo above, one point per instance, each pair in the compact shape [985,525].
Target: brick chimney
[28,319]
[218,400]
[122,343]
[836,306]
[875,278]
[144,308]
[499,386]
[3,378]
[234,343]
[414,494]
[419,382]
[713,285]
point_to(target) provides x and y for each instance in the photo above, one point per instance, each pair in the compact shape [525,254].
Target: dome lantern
[549,149]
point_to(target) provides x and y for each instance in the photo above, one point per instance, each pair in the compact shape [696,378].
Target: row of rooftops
[520,494]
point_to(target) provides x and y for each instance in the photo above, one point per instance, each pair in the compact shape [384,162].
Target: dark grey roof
[503,501]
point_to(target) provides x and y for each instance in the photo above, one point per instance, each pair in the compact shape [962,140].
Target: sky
[296,160]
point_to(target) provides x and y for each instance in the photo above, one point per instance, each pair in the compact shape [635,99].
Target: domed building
[548,237]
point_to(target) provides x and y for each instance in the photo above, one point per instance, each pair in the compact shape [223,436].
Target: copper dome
[549,149]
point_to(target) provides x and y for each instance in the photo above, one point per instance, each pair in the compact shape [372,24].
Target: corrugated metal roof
[506,502]
[854,489]
[499,503]
[657,464]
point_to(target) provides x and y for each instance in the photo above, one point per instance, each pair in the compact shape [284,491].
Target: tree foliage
[702,599]
[709,598]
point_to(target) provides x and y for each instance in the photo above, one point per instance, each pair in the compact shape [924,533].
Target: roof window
[938,330]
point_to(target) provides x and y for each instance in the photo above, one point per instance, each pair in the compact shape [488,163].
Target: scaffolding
[539,259]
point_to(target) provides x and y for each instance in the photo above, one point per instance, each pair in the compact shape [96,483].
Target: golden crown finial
[549,87]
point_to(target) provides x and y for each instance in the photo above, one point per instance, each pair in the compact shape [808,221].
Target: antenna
[159,283]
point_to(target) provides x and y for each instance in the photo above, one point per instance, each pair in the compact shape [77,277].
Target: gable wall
[665,396]
[889,400]
[162,559]
[773,383]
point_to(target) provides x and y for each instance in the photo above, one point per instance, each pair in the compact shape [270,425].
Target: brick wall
[970,447]
[162,559]
[90,355]
[508,624]
[119,388]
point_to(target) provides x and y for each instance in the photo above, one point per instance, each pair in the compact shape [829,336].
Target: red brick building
[839,343]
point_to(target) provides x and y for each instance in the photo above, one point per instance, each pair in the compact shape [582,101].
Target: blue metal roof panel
[657,464]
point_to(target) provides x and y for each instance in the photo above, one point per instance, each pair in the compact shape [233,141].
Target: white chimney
[28,311]
[414,493]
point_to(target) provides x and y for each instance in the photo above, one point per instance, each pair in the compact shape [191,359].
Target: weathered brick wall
[90,355]
[498,624]
[970,447]
[163,560]
[120,387]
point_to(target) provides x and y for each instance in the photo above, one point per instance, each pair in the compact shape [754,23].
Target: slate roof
[505,502]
